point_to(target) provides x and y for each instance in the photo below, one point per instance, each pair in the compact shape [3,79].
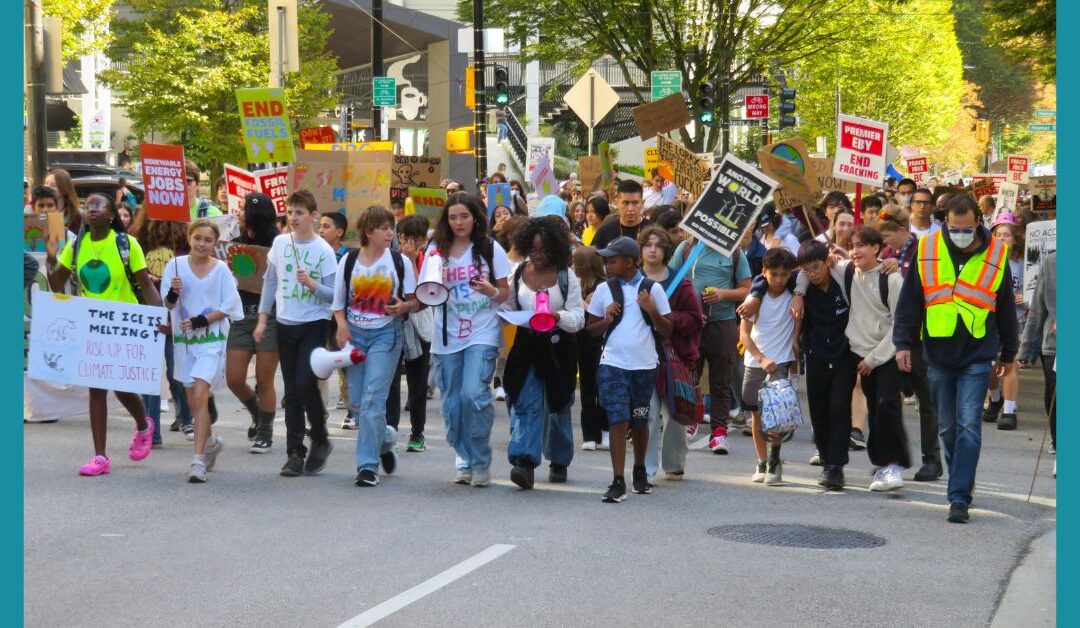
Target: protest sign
[1006,200]
[823,172]
[918,168]
[1043,193]
[414,172]
[39,229]
[1018,168]
[607,166]
[358,147]
[543,178]
[589,173]
[651,161]
[981,187]
[661,116]
[274,182]
[729,204]
[238,184]
[228,226]
[344,181]
[538,148]
[788,162]
[995,179]
[687,170]
[247,263]
[265,121]
[96,343]
[429,202]
[499,194]
[164,180]
[860,150]
[317,135]
[1040,240]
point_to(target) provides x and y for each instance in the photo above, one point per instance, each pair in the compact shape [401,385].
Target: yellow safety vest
[971,297]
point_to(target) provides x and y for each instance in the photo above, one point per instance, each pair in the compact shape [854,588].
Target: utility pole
[481,103]
[376,63]
[34,45]
[725,112]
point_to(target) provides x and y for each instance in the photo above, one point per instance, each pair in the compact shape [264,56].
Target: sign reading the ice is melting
[164,179]
[267,132]
[96,343]
[729,204]
[860,150]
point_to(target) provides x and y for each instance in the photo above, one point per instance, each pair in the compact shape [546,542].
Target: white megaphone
[543,320]
[324,362]
[429,287]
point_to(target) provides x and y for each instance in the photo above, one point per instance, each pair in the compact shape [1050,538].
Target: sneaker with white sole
[759,472]
[481,477]
[188,430]
[616,493]
[197,471]
[500,394]
[213,447]
[887,478]
[774,473]
[463,477]
[589,445]
[347,423]
[815,460]
[261,446]
[718,443]
[605,442]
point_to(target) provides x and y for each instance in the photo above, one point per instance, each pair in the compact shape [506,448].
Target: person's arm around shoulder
[907,318]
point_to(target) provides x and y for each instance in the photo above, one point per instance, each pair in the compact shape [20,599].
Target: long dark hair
[444,236]
[260,222]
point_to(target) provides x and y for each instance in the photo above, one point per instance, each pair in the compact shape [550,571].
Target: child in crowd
[589,268]
[202,299]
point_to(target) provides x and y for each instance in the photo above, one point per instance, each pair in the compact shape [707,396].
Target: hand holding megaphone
[324,362]
[429,287]
[543,320]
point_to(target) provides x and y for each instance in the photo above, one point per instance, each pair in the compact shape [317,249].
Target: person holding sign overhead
[108,265]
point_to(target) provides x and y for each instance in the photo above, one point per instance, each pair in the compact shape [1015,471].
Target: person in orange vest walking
[961,302]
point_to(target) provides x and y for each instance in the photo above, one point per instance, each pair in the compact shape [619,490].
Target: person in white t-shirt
[298,287]
[373,292]
[922,220]
[770,339]
[468,332]
[203,300]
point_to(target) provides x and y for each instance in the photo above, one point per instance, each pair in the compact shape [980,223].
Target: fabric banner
[729,204]
[164,180]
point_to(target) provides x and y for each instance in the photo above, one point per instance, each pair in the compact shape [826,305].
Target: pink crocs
[98,465]
[142,441]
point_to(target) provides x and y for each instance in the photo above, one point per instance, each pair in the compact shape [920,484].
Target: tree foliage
[1027,30]
[1006,86]
[85,25]
[184,67]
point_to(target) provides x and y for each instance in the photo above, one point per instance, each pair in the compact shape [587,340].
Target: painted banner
[344,181]
[788,162]
[995,179]
[317,135]
[265,121]
[39,229]
[247,263]
[164,180]
[661,116]
[589,173]
[1043,193]
[538,148]
[917,168]
[499,194]
[238,184]
[729,204]
[429,202]
[982,187]
[414,172]
[358,147]
[687,170]
[860,150]
[1018,169]
[543,178]
[274,182]
[97,343]
[1040,240]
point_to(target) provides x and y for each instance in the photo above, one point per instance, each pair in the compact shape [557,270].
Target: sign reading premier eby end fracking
[729,204]
[860,150]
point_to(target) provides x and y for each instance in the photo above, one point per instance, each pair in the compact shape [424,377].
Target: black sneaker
[175,425]
[616,493]
[557,473]
[858,441]
[294,466]
[367,478]
[522,476]
[641,481]
[320,451]
[832,478]
[1007,422]
[253,429]
[958,513]
[990,414]
[261,446]
[389,460]
[930,471]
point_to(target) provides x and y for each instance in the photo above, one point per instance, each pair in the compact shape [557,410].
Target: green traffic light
[502,99]
[706,117]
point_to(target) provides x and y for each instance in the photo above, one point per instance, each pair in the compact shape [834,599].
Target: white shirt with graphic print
[295,302]
[365,295]
[470,316]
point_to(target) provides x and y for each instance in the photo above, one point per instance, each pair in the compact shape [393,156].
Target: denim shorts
[625,395]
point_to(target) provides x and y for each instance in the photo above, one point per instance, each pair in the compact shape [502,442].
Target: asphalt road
[143,547]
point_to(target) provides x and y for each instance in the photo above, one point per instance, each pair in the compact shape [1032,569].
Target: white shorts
[208,366]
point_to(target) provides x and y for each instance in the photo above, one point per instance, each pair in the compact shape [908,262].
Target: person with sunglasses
[199,207]
[960,302]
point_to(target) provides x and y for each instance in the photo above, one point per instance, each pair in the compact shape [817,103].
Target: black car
[77,170]
[108,185]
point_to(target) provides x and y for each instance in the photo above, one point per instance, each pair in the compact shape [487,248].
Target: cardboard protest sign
[661,116]
[995,179]
[687,170]
[537,149]
[917,168]
[499,194]
[265,121]
[982,187]
[607,166]
[823,172]
[164,180]
[274,182]
[589,173]
[238,184]
[788,162]
[39,229]
[429,202]
[651,159]
[359,147]
[247,263]
[317,135]
[543,178]
[1040,240]
[1043,193]
[729,204]
[1018,168]
[97,343]
[344,181]
[1006,199]
[414,172]
[860,150]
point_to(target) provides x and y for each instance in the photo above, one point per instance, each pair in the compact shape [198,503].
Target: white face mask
[961,240]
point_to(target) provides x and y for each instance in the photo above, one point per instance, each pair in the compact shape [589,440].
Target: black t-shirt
[612,229]
[825,322]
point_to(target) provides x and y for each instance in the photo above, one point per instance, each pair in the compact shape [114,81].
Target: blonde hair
[588,266]
[199,224]
[892,217]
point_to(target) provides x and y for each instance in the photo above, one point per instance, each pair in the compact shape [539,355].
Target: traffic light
[787,108]
[707,102]
[502,86]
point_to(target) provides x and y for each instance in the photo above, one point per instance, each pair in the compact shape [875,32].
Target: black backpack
[563,281]
[615,287]
[883,285]
[123,245]
[399,268]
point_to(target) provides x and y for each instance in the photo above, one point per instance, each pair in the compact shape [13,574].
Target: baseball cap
[621,246]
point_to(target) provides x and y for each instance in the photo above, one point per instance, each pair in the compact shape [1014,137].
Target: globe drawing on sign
[788,153]
[242,261]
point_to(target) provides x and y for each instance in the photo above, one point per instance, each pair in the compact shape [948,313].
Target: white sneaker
[774,473]
[348,424]
[605,442]
[481,477]
[500,394]
[165,405]
[894,478]
[197,471]
[213,448]
[759,472]
[340,404]
[815,460]
[589,445]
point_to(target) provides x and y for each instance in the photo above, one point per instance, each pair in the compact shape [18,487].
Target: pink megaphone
[543,320]
[324,362]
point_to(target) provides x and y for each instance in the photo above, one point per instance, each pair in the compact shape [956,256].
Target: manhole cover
[791,535]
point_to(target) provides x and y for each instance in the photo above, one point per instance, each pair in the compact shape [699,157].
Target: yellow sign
[652,161]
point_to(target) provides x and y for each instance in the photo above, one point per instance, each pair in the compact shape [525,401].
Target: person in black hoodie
[960,301]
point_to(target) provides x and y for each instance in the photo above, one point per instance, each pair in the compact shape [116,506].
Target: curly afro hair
[555,236]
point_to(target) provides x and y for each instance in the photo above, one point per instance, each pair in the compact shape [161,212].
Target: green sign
[384,91]
[665,84]
[1042,127]
[1046,113]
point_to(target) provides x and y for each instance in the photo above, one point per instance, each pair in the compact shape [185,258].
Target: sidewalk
[1030,597]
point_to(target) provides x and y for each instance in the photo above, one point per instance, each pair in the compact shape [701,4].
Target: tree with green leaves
[1027,31]
[183,67]
[85,25]
[1006,85]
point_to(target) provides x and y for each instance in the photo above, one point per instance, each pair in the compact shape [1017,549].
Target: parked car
[106,184]
[77,170]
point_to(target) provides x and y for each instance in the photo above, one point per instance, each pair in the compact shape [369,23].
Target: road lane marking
[427,587]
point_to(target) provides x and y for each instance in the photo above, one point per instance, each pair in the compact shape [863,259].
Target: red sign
[275,184]
[860,150]
[757,106]
[317,135]
[862,138]
[238,184]
[1018,168]
[917,167]
[164,177]
[997,180]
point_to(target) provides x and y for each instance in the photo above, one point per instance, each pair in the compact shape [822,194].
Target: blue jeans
[958,395]
[369,383]
[502,129]
[179,395]
[465,386]
[669,452]
[535,427]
